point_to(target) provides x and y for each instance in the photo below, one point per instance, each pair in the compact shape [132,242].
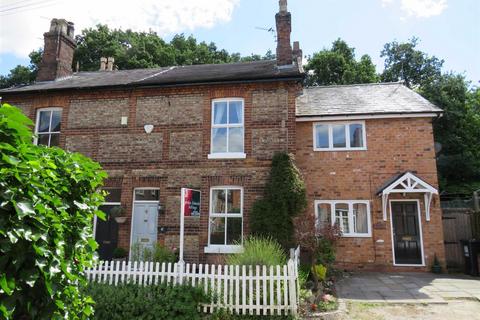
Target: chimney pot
[283,5]
[110,62]
[103,64]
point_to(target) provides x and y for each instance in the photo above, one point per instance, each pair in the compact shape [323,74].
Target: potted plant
[120,254]
[436,267]
[118,213]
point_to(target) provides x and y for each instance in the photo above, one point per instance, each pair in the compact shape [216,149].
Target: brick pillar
[58,51]
[284,27]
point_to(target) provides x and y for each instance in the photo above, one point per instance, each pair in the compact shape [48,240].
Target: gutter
[370,115]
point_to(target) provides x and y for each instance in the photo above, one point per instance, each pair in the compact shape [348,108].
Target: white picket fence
[253,290]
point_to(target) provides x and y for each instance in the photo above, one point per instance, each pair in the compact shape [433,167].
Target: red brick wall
[393,146]
[174,155]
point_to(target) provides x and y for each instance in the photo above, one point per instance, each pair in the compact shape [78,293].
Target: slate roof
[177,75]
[362,99]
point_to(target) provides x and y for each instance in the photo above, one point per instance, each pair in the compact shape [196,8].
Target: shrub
[259,251]
[131,301]
[120,253]
[284,198]
[157,253]
[48,198]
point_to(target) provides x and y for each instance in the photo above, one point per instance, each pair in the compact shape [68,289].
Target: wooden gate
[457,225]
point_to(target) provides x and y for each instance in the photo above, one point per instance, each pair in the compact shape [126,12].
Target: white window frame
[350,203]
[224,248]
[227,155]
[347,135]
[37,123]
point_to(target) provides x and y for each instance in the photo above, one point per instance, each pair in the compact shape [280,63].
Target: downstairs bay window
[225,227]
[352,216]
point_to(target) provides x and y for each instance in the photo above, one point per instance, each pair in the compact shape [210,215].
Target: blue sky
[448,29]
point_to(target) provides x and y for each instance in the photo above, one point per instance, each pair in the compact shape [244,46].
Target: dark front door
[406,233]
[106,235]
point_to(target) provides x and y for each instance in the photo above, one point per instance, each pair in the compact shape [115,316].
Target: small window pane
[321,139]
[147,195]
[235,112]
[217,230]
[324,211]
[235,140]
[360,221]
[54,139]
[218,201]
[56,119]
[44,121]
[113,195]
[234,230]
[356,135]
[220,113]
[338,132]
[341,216]
[219,140]
[43,139]
[234,201]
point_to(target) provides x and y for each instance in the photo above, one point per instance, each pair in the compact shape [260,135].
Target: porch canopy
[407,183]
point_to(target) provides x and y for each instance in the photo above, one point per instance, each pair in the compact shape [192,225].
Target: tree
[458,129]
[404,63]
[338,66]
[48,198]
[21,75]
[284,198]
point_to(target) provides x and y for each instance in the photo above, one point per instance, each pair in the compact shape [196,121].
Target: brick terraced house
[366,151]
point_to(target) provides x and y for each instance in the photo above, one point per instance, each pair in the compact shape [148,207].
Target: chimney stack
[283,20]
[58,51]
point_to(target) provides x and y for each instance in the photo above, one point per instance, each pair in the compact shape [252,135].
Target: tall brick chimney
[284,27]
[58,51]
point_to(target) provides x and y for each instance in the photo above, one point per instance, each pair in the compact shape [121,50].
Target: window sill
[339,149]
[223,249]
[356,235]
[227,155]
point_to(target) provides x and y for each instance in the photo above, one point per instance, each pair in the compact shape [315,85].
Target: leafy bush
[120,253]
[320,271]
[259,251]
[48,198]
[284,198]
[130,301]
[157,253]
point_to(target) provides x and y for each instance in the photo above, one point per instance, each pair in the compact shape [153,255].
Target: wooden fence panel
[457,226]
[260,291]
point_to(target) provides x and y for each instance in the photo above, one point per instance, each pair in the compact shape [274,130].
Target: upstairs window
[227,136]
[339,136]
[48,127]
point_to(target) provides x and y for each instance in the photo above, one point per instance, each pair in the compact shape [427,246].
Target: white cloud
[22,31]
[418,8]
[423,8]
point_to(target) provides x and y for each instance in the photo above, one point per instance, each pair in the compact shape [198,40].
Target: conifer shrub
[284,198]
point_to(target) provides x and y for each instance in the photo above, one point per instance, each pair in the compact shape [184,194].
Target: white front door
[144,229]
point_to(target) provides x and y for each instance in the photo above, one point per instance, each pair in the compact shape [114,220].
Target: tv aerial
[270,30]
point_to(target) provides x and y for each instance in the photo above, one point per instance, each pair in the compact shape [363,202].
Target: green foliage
[157,253]
[130,301]
[325,253]
[284,198]
[338,66]
[120,253]
[48,198]
[404,63]
[320,271]
[259,251]
[225,315]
